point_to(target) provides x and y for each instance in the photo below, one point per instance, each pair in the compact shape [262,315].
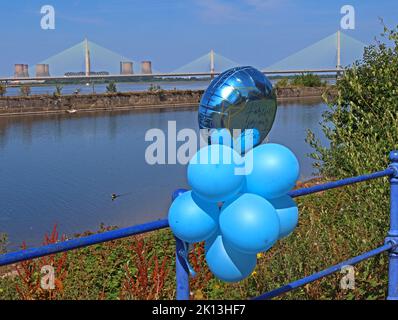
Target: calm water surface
[63,168]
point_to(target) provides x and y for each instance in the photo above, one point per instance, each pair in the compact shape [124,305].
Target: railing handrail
[182,272]
[316,276]
[341,183]
[76,243]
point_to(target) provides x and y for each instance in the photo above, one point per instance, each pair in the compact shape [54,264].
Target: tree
[111,87]
[3,89]
[307,80]
[362,121]
[362,127]
[25,90]
[154,88]
[58,90]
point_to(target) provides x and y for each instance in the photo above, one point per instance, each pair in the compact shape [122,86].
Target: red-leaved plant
[29,286]
[203,274]
[149,279]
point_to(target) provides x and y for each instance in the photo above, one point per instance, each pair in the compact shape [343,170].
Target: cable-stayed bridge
[335,51]
[90,60]
[213,62]
[73,59]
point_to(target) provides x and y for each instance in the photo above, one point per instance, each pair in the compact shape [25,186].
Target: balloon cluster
[237,215]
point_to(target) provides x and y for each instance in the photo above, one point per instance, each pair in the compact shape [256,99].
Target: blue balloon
[213,173]
[177,193]
[221,136]
[275,170]
[247,140]
[287,211]
[249,224]
[226,263]
[191,219]
[239,98]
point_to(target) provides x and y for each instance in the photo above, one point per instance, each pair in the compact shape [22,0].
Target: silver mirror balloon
[239,98]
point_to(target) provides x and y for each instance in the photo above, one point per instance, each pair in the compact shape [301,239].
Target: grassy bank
[331,228]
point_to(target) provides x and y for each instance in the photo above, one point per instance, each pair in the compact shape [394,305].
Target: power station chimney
[146,67]
[126,67]
[87,58]
[42,70]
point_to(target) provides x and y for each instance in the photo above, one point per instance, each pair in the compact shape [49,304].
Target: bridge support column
[393,232]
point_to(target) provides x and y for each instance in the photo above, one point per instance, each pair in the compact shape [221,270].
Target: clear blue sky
[174,32]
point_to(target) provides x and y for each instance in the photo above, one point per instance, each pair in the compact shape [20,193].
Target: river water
[62,169]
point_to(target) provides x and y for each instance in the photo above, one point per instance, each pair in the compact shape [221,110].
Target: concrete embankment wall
[40,104]
[304,92]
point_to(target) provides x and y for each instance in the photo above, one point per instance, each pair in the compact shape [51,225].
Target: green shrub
[307,80]
[154,88]
[282,83]
[3,89]
[58,90]
[362,122]
[362,127]
[111,87]
[25,90]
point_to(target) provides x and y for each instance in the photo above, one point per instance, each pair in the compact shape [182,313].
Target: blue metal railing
[182,270]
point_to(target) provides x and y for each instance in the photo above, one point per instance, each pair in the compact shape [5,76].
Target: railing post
[393,232]
[182,270]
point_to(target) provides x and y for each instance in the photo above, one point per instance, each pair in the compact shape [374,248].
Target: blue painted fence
[182,269]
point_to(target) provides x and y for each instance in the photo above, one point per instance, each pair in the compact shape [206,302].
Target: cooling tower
[146,67]
[21,71]
[126,67]
[18,71]
[26,70]
[42,70]
[47,70]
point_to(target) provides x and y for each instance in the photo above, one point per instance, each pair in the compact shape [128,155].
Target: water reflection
[63,168]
